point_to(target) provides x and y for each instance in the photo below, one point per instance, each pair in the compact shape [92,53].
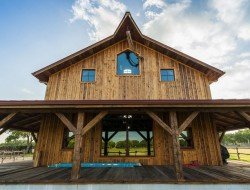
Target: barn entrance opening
[127,135]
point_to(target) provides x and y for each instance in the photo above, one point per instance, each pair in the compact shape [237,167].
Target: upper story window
[128,63]
[88,75]
[186,138]
[167,75]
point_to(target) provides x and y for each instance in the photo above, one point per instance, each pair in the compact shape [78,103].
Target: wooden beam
[176,146]
[159,121]
[221,136]
[145,138]
[94,121]
[112,135]
[34,136]
[226,122]
[30,124]
[227,117]
[129,39]
[244,115]
[76,166]
[21,122]
[106,143]
[66,122]
[7,118]
[148,143]
[189,119]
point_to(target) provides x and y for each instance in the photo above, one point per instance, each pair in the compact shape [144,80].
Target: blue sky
[34,34]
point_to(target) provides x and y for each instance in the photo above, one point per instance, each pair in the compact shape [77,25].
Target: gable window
[88,75]
[167,75]
[128,63]
[186,138]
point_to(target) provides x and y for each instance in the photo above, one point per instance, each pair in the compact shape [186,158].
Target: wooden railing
[238,151]
[135,153]
[11,155]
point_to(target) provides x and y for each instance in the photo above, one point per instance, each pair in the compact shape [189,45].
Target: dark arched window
[128,63]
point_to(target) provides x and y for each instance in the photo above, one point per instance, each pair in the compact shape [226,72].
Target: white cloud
[229,11]
[153,3]
[212,36]
[244,55]
[244,32]
[27,91]
[103,16]
[235,84]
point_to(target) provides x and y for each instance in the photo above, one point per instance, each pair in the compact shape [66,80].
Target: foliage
[18,145]
[17,135]
[134,143]
[18,140]
[111,144]
[241,136]
[120,144]
[143,143]
[71,143]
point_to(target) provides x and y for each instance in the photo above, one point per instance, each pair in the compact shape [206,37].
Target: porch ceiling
[225,113]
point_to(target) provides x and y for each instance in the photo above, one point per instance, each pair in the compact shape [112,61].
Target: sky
[34,34]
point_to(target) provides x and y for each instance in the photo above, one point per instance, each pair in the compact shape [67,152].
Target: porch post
[76,165]
[221,136]
[176,146]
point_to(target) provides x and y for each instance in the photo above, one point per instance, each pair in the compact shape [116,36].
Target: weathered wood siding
[205,150]
[189,83]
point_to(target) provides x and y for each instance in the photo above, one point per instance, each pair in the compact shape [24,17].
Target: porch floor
[24,173]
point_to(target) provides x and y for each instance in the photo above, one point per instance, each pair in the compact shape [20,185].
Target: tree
[241,136]
[121,144]
[143,143]
[17,136]
[111,144]
[134,144]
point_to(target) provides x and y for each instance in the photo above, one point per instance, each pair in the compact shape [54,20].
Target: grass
[132,151]
[28,155]
[242,151]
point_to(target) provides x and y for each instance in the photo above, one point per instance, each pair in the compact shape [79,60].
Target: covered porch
[225,114]
[25,173]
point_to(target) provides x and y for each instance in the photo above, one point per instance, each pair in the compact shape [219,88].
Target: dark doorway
[127,135]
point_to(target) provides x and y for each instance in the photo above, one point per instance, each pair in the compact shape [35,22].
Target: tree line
[131,143]
[239,137]
[18,141]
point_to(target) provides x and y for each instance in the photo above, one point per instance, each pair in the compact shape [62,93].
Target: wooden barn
[127,99]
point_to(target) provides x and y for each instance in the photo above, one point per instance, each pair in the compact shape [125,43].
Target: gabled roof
[120,34]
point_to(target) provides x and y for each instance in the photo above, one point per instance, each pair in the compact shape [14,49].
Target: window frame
[167,75]
[127,75]
[63,147]
[88,69]
[192,140]
[128,156]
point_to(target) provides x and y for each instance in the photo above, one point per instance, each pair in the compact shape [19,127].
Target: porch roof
[225,113]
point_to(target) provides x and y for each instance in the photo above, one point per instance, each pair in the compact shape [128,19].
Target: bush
[15,146]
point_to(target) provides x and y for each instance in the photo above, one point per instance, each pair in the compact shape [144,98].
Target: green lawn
[242,157]
[132,151]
